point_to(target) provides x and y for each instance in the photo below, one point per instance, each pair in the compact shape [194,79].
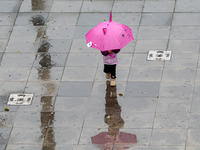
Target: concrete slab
[7,121]
[5,32]
[159,6]
[6,88]
[13,74]
[5,132]
[3,43]
[142,89]
[127,18]
[23,146]
[97,6]
[7,19]
[187,6]
[79,74]
[10,6]
[31,19]
[128,6]
[145,74]
[156,19]
[36,6]
[75,89]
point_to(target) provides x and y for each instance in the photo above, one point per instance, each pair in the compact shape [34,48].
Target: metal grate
[159,55]
[20,99]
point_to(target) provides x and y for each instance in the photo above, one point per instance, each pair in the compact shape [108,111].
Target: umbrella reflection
[108,140]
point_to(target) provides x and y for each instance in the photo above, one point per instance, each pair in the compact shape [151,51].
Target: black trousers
[110,69]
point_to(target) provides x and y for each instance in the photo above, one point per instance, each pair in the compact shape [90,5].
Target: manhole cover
[20,99]
[159,55]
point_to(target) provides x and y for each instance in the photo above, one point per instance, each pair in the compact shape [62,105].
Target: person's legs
[107,71]
[113,75]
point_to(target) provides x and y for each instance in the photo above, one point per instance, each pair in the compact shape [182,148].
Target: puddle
[38,5]
[38,20]
[106,140]
[44,46]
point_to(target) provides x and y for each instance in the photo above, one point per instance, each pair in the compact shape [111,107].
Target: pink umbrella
[109,35]
[105,142]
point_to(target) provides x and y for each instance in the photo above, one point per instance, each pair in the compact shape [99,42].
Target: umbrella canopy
[109,35]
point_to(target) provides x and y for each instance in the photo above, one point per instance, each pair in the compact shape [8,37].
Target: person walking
[110,61]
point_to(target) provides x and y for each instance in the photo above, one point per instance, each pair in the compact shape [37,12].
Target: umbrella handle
[110,16]
[113,56]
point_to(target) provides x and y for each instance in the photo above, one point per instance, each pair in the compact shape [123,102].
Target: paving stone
[185,33]
[171,120]
[50,60]
[46,74]
[66,6]
[170,105]
[159,32]
[39,104]
[67,119]
[167,147]
[6,88]
[22,46]
[131,147]
[14,74]
[179,75]
[186,19]
[91,147]
[167,137]
[71,104]
[183,46]
[142,89]
[143,46]
[138,120]
[140,60]
[39,88]
[128,6]
[194,121]
[26,136]
[187,6]
[81,31]
[79,74]
[3,104]
[31,19]
[127,18]
[175,90]
[97,6]
[182,60]
[7,19]
[59,146]
[3,43]
[69,135]
[5,132]
[195,106]
[99,88]
[5,31]
[193,137]
[17,60]
[75,89]
[7,119]
[23,146]
[53,45]
[156,19]
[62,19]
[66,32]
[36,6]
[9,6]
[92,18]
[89,60]
[145,74]
[159,6]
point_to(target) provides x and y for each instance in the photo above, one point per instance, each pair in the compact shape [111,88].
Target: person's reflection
[38,5]
[113,111]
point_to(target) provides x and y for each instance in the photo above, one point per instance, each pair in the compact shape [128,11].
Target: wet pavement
[155,105]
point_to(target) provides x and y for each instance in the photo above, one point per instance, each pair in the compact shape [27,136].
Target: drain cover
[159,55]
[20,99]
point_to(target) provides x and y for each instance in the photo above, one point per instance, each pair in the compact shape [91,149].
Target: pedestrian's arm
[105,53]
[116,51]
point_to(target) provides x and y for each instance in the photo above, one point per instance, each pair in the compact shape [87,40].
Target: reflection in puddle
[38,5]
[107,140]
[38,20]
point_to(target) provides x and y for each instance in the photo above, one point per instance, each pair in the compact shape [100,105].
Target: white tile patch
[159,55]
[20,99]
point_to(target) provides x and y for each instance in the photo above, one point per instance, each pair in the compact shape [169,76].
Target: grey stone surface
[43,51]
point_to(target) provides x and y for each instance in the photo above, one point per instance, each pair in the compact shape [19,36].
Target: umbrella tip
[110,16]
